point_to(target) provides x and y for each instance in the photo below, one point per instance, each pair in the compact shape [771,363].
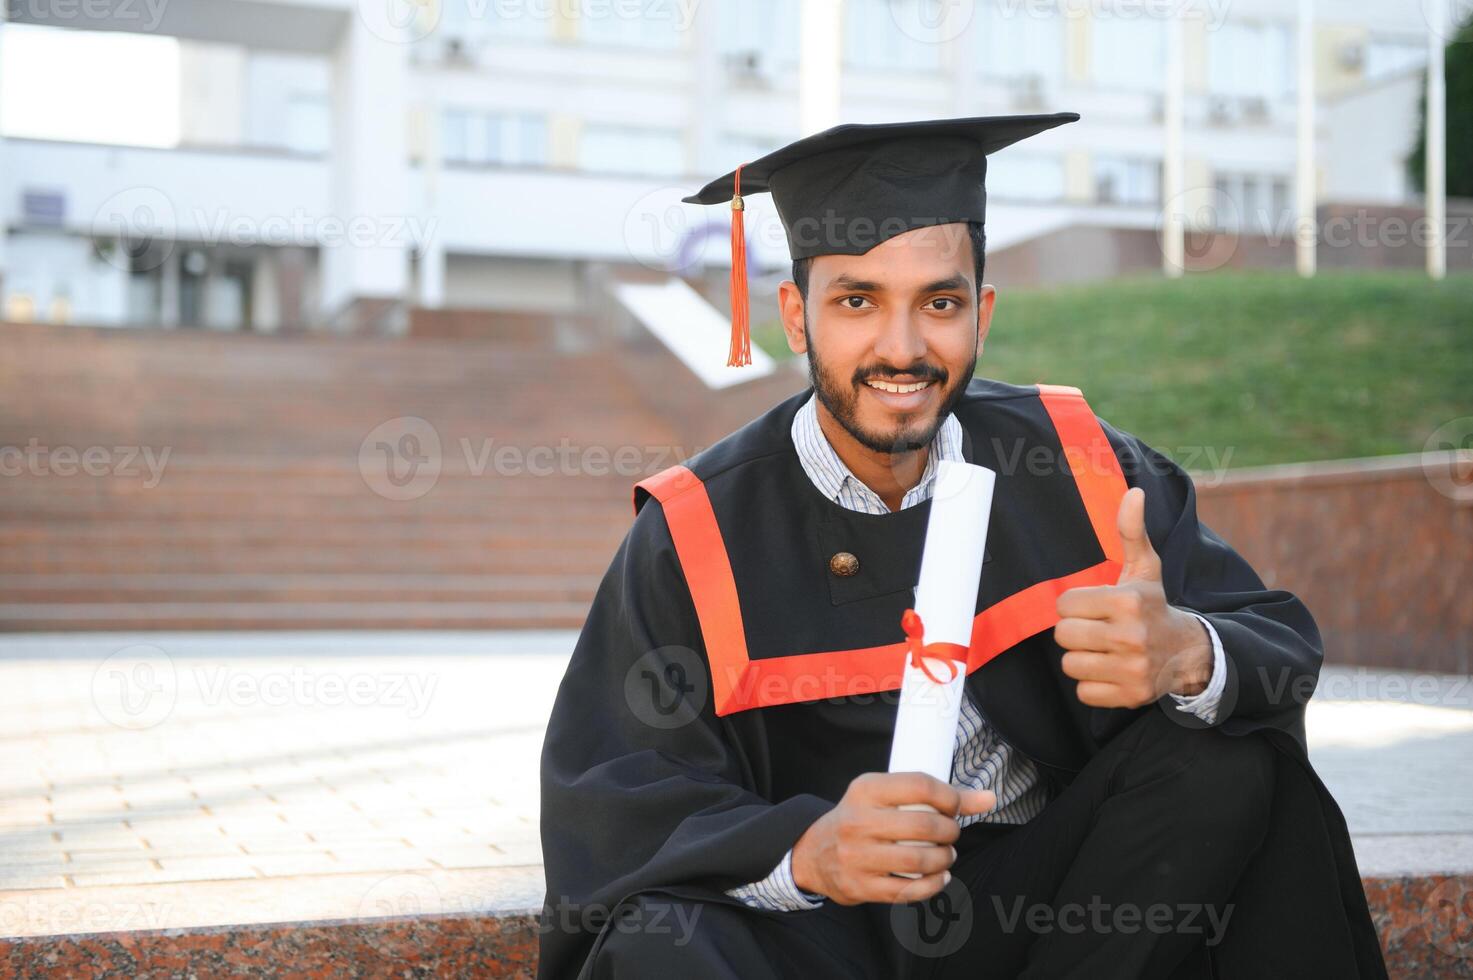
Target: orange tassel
[741,331]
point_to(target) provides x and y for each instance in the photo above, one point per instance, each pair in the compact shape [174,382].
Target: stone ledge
[1423,921]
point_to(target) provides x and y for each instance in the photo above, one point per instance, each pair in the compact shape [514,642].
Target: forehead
[931,251]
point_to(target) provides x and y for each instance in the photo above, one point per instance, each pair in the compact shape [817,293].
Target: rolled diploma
[946,600]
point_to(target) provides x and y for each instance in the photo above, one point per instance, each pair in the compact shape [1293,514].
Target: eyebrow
[943,285]
[850,284]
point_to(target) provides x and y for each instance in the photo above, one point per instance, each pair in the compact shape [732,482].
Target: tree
[1459,120]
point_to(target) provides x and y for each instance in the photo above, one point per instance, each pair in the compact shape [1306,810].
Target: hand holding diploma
[853,854]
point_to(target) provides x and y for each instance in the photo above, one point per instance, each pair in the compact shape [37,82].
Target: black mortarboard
[847,189]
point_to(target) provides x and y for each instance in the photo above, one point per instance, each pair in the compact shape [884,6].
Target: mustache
[922,372]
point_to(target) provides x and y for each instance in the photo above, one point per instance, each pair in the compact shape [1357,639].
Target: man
[1130,794]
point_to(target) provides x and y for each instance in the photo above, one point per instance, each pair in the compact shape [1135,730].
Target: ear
[790,303]
[986,300]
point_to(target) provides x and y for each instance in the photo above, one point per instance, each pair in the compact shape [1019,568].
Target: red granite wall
[1380,550]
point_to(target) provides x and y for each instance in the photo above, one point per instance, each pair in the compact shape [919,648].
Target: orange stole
[739,682]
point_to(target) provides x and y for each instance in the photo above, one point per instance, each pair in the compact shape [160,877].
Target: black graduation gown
[667,770]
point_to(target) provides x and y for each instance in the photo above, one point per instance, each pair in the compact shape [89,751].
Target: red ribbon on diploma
[915,634]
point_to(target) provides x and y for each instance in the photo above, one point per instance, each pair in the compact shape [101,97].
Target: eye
[944,304]
[854,302]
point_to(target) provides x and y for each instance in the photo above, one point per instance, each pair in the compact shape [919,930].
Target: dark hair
[975,232]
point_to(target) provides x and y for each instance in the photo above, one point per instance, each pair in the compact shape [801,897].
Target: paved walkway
[185,779]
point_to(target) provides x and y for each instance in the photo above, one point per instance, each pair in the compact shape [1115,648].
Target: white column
[706,112]
[1306,234]
[1173,168]
[432,252]
[1436,176]
[366,258]
[169,286]
[820,68]
[265,292]
[962,60]
[4,185]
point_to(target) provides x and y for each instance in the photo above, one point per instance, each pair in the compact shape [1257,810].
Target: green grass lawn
[1266,366]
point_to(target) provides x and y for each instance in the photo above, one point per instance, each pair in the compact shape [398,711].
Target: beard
[912,431]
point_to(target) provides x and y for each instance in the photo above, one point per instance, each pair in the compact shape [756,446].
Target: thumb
[1140,558]
[977,801]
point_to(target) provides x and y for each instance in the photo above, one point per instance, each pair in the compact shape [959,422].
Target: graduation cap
[847,189]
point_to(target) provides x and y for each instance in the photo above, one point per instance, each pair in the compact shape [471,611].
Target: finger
[894,825]
[1082,634]
[903,788]
[978,801]
[1140,557]
[909,859]
[1098,694]
[1114,603]
[1088,602]
[898,891]
[1091,665]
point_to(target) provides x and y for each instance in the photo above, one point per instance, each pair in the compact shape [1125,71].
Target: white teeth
[898,389]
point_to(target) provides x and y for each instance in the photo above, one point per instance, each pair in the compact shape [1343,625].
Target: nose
[900,343]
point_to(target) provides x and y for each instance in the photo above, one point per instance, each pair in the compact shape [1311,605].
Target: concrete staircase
[191,480]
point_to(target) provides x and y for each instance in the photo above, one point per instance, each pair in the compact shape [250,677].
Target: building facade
[338,163]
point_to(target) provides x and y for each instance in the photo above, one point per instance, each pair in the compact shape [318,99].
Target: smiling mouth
[899,389]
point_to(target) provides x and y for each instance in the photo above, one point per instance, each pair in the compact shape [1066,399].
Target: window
[1128,54]
[1122,180]
[1251,60]
[873,39]
[1386,57]
[287,102]
[1257,204]
[764,30]
[641,25]
[630,150]
[1025,177]
[477,22]
[308,126]
[1016,41]
[471,136]
[746,146]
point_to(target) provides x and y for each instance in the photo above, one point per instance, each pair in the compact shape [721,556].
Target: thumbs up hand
[1123,643]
